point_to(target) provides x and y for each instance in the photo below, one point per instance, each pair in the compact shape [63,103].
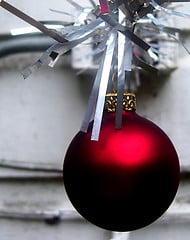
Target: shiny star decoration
[124,35]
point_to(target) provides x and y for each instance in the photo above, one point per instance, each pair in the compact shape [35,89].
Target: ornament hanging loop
[129,102]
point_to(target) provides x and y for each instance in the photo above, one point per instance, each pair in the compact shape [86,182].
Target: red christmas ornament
[127,179]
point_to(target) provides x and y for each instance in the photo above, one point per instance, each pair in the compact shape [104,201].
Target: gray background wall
[38,118]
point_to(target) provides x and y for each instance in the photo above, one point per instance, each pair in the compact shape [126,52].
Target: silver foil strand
[57,49]
[103,86]
[82,34]
[128,55]
[60,49]
[171,31]
[110,19]
[61,12]
[38,64]
[120,75]
[53,34]
[76,5]
[169,11]
[125,54]
[93,97]
[92,3]
[75,38]
[84,30]
[159,26]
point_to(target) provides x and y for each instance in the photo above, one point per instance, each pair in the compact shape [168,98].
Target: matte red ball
[127,179]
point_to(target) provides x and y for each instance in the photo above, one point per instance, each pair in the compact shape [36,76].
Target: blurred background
[40,115]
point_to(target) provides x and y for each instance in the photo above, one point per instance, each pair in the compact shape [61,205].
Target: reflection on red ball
[127,179]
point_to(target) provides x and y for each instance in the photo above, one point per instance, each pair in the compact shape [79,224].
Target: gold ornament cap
[129,102]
